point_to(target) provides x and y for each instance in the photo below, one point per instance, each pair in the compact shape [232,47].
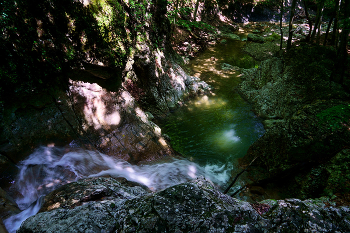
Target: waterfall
[50,167]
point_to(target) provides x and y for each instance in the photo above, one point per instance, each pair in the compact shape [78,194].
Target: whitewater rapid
[50,167]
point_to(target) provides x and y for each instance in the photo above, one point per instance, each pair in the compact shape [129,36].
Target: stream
[211,131]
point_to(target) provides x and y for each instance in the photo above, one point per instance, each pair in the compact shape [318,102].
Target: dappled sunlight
[162,142]
[141,114]
[212,103]
[99,112]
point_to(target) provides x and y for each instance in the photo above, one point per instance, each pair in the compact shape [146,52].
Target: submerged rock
[226,66]
[191,207]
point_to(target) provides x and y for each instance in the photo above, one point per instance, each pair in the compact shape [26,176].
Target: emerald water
[216,129]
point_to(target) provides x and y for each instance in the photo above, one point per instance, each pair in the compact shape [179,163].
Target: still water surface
[216,129]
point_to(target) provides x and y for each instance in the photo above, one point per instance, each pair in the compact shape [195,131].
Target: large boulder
[195,206]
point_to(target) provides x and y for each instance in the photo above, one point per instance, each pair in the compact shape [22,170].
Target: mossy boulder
[255,38]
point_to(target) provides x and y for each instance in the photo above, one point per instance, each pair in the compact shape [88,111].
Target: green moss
[335,117]
[339,179]
[273,37]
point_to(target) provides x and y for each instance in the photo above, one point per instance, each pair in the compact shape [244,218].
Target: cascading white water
[49,167]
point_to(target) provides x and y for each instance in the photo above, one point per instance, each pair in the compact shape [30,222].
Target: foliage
[43,38]
[140,13]
[195,25]
[187,23]
[335,117]
[311,63]
[245,62]
[274,36]
[339,179]
[111,17]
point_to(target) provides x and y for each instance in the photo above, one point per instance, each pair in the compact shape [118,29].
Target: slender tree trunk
[290,35]
[319,31]
[335,26]
[195,11]
[309,20]
[318,18]
[327,31]
[342,53]
[281,22]
[334,16]
[176,13]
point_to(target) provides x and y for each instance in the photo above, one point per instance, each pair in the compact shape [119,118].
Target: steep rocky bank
[306,115]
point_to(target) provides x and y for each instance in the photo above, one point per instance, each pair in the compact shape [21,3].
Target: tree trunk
[327,32]
[309,20]
[335,26]
[281,21]
[290,35]
[195,11]
[319,31]
[318,18]
[342,53]
[176,13]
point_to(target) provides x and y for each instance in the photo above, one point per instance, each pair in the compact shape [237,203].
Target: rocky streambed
[305,151]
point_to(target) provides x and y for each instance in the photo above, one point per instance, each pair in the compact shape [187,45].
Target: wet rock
[8,206]
[92,189]
[192,207]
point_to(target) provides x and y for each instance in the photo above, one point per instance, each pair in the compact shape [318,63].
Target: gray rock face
[166,86]
[192,207]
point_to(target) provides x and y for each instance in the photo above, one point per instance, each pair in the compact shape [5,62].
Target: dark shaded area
[109,78]
[41,39]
